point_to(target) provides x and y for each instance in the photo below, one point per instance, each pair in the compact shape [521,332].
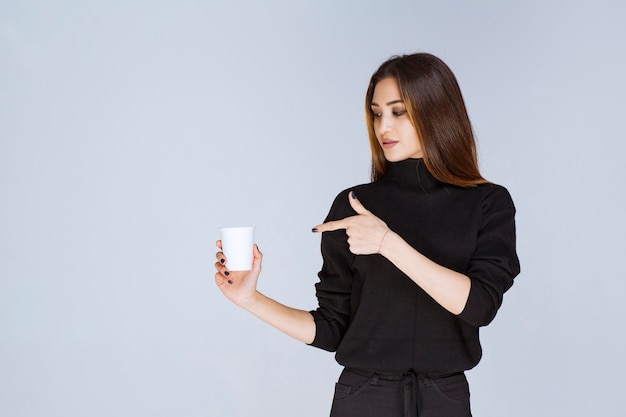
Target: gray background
[130,131]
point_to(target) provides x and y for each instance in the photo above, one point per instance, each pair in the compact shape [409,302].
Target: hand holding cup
[238,264]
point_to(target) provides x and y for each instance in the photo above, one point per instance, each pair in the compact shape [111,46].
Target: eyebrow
[389,103]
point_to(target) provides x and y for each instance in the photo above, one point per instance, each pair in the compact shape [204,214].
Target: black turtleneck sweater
[373,315]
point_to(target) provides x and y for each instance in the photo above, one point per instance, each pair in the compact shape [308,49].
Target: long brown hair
[435,105]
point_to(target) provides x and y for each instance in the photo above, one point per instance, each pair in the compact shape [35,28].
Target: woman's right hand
[238,286]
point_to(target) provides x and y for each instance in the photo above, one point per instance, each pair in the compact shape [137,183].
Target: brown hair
[436,108]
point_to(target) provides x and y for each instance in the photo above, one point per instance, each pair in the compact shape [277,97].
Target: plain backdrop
[130,131]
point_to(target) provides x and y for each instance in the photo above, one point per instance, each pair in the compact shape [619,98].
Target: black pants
[361,393]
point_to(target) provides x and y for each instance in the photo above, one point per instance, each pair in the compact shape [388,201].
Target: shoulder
[495,197]
[341,206]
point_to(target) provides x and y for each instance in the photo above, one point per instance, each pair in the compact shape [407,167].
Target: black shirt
[373,315]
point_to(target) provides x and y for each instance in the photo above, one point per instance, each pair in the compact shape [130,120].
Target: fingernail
[352,195]
[226,273]
[230,281]
[314,230]
[221,261]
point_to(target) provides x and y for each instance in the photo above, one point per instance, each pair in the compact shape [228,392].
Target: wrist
[386,243]
[382,239]
[251,302]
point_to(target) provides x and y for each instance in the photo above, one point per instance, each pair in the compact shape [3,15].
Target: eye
[399,112]
[376,115]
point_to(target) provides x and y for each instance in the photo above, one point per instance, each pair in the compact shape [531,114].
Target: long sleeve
[494,263]
[335,286]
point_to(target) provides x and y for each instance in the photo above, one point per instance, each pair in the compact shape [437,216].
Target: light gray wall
[130,131]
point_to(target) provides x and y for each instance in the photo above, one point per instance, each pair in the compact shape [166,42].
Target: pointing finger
[330,226]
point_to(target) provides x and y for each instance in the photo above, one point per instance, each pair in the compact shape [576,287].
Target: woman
[413,262]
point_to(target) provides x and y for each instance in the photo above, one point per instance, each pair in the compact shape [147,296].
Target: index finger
[330,226]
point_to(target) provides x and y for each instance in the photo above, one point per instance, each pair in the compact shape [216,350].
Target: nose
[386,123]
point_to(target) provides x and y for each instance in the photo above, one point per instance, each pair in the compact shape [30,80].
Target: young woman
[413,262]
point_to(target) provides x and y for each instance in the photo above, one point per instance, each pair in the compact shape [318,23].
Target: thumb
[356,204]
[257,257]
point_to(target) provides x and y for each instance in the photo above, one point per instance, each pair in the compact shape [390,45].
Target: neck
[411,172]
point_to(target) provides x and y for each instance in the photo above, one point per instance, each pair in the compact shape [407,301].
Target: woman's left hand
[365,231]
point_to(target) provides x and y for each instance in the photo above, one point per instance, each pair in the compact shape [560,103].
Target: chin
[396,158]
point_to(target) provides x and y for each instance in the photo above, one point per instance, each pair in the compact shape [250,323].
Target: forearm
[293,322]
[447,287]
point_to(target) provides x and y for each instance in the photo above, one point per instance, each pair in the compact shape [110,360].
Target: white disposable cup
[237,246]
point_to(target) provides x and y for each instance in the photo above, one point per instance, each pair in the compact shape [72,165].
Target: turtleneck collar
[412,172]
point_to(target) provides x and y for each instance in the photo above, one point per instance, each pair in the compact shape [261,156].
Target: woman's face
[393,127]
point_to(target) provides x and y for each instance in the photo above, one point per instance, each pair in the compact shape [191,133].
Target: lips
[388,143]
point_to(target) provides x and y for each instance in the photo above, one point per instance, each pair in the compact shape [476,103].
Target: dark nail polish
[230,281]
[314,230]
[226,273]
[352,195]
[222,261]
